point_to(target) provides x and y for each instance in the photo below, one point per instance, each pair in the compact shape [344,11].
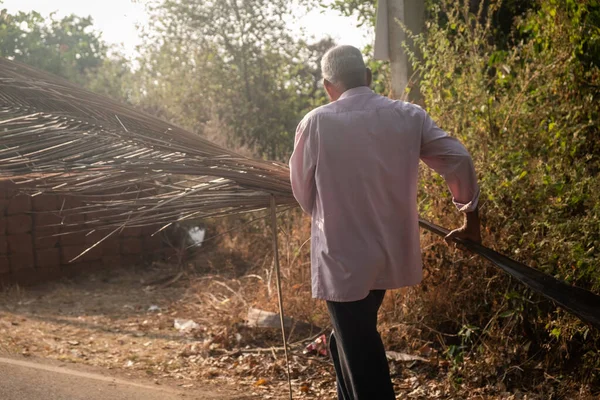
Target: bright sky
[117,20]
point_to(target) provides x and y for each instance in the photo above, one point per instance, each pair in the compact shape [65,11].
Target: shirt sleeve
[448,157]
[303,166]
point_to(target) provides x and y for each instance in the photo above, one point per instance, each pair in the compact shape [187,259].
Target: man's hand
[471,230]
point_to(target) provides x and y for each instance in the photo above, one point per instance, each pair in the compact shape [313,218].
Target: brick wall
[30,253]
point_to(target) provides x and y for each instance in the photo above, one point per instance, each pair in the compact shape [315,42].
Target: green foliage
[67,47]
[585,30]
[380,72]
[364,10]
[529,114]
[114,78]
[231,69]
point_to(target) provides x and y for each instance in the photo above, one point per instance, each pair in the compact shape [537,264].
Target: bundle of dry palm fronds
[131,168]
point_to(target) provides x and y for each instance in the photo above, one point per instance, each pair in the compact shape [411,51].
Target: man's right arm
[303,166]
[448,157]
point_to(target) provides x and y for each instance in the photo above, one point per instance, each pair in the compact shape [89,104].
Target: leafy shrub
[529,114]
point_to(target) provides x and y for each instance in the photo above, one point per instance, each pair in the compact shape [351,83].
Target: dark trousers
[357,351]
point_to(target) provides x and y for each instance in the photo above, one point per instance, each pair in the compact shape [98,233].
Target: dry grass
[103,320]
[432,319]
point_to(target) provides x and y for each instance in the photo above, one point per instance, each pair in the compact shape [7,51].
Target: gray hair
[344,66]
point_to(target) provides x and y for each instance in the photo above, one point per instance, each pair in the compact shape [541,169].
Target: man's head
[343,68]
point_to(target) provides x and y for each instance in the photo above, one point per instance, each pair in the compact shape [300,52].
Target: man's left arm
[450,158]
[303,166]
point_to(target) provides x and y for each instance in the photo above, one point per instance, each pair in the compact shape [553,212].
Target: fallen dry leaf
[261,382]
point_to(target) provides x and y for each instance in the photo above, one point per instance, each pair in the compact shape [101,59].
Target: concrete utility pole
[389,39]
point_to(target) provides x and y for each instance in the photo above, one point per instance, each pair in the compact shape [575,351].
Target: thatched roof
[132,168]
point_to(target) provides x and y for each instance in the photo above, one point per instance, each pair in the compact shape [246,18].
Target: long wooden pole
[279,294]
[580,302]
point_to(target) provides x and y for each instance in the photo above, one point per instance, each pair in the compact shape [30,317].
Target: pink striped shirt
[354,169]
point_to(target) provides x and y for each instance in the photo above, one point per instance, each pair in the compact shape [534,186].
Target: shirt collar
[357,91]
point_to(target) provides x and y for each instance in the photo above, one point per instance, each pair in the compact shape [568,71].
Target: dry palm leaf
[130,168]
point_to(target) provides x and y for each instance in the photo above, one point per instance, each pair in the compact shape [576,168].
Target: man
[354,170]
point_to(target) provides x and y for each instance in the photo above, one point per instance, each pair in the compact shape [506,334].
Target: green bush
[528,110]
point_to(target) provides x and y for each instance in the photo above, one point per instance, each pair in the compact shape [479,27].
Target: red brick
[20,223]
[10,189]
[10,186]
[45,202]
[45,240]
[47,258]
[72,222]
[95,236]
[3,245]
[132,232]
[70,252]
[72,269]
[72,239]
[25,276]
[2,224]
[112,260]
[152,243]
[97,215]
[3,206]
[19,204]
[79,268]
[71,202]
[6,279]
[111,246]
[21,261]
[47,274]
[150,230]
[131,246]
[131,259]
[93,266]
[20,244]
[4,265]
[91,216]
[46,222]
[95,254]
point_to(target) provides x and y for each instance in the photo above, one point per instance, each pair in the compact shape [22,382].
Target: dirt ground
[31,378]
[124,320]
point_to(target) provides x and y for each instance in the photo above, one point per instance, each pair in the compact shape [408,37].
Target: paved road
[31,379]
